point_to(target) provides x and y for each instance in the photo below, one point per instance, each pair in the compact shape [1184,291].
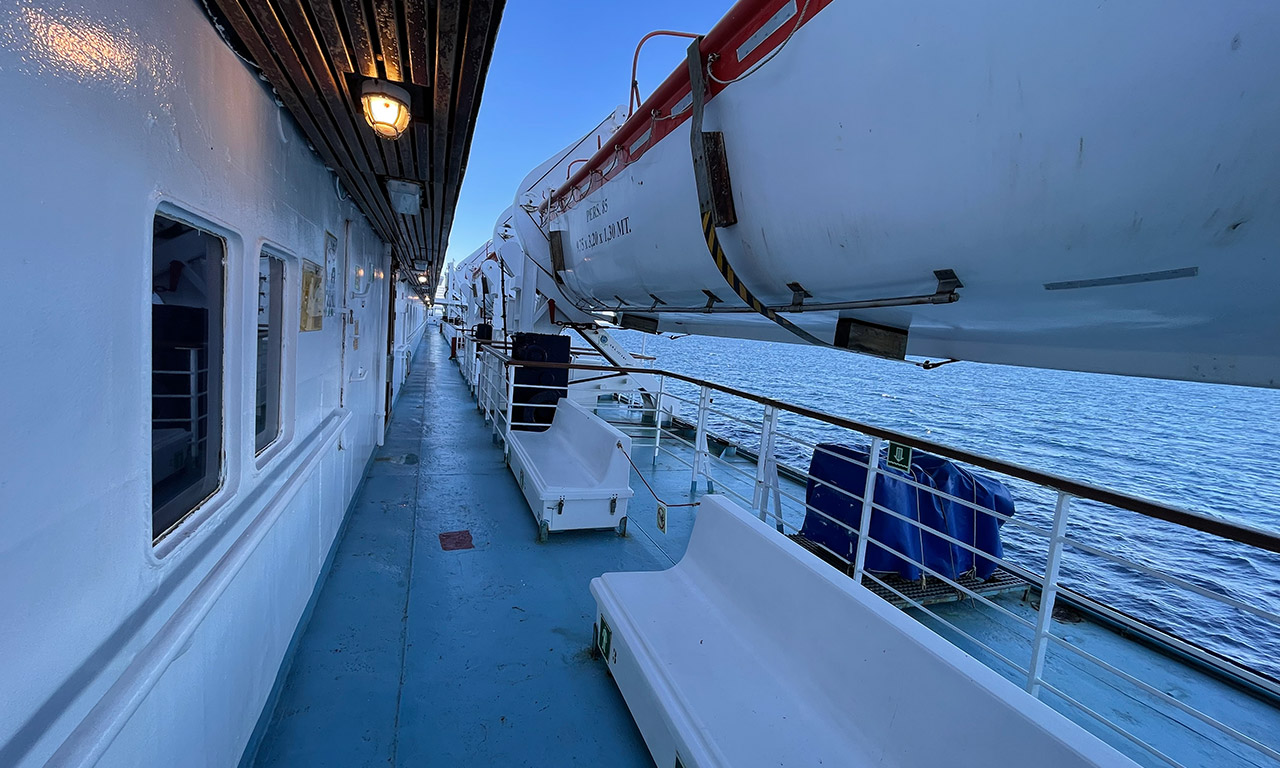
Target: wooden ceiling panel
[327,20]
[355,183]
[358,38]
[315,53]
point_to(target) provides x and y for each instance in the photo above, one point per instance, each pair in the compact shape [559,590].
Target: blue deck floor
[418,656]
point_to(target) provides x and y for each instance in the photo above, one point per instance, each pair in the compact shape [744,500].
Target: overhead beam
[315,53]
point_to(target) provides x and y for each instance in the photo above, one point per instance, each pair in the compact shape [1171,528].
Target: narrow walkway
[417,656]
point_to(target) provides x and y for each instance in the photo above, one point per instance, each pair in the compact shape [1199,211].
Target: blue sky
[558,68]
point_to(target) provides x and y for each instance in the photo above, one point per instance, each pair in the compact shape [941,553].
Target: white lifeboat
[1092,188]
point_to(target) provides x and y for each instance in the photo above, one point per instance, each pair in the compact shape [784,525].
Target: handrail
[587,351]
[1226,529]
[1033,623]
[633,97]
[568,171]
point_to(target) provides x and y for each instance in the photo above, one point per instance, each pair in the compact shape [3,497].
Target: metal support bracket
[798,295]
[712,300]
[716,168]
[947,283]
[710,163]
[556,240]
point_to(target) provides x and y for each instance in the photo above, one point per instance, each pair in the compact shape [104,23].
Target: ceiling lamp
[386,107]
[422,278]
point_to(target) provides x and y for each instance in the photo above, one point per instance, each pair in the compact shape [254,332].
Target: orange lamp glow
[386,108]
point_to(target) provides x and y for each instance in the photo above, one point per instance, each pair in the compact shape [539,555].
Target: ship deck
[418,653]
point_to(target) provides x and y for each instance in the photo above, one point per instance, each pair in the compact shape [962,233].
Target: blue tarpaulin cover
[831,466]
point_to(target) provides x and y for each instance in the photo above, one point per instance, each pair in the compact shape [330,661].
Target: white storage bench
[753,652]
[573,474]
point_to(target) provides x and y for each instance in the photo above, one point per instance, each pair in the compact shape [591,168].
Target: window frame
[276,317]
[290,307]
[180,529]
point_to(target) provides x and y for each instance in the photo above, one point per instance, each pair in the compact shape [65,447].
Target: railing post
[511,396]
[766,467]
[477,385]
[491,398]
[1048,595]
[495,381]
[701,463]
[657,414]
[773,470]
[472,353]
[868,502]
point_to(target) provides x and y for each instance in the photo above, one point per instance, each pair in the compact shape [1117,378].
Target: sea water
[1208,448]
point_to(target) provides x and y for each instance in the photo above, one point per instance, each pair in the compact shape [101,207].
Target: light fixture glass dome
[386,108]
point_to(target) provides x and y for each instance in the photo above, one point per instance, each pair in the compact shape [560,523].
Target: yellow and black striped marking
[739,288]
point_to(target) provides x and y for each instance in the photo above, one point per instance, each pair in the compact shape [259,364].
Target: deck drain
[456,540]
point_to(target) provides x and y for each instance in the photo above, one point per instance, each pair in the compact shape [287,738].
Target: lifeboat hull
[1103,181]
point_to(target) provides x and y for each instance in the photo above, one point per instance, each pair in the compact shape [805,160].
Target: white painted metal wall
[112,650]
[411,322]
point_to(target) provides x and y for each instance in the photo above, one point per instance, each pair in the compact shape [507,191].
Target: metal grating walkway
[926,591]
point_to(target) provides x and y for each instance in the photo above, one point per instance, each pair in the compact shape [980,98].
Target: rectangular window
[186,370]
[270,326]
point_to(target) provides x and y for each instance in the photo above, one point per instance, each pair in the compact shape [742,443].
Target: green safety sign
[605,639]
[900,456]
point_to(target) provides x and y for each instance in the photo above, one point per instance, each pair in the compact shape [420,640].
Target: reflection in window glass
[186,370]
[270,316]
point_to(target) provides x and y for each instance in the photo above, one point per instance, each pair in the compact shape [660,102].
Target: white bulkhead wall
[411,323]
[112,650]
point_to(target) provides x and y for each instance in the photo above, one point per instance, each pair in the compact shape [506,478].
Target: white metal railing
[757,466]
[495,387]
